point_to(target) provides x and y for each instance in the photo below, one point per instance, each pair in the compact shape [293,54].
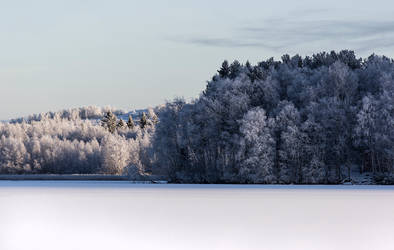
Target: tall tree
[235,69]
[130,122]
[109,122]
[121,124]
[152,116]
[258,146]
[224,71]
[144,121]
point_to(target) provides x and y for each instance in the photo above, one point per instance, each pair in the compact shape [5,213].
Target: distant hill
[83,113]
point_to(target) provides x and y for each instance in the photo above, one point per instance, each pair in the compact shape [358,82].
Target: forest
[299,120]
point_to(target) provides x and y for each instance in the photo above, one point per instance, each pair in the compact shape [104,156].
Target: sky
[134,54]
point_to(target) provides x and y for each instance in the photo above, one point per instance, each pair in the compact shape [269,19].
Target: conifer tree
[235,69]
[130,123]
[152,116]
[248,68]
[224,71]
[121,124]
[109,122]
[144,120]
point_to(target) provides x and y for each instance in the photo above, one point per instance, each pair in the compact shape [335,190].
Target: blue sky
[134,54]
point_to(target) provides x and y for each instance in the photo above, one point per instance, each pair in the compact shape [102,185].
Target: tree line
[297,120]
[303,120]
[67,142]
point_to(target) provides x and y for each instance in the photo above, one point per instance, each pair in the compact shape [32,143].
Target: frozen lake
[46,215]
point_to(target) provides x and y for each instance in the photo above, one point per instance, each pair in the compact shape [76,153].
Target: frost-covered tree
[115,155]
[258,148]
[289,145]
[130,123]
[109,122]
[312,106]
[374,133]
[235,69]
[224,71]
[83,113]
[313,172]
[152,116]
[171,156]
[144,121]
[59,145]
[312,119]
[121,124]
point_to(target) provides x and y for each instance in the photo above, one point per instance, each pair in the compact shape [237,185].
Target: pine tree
[109,122]
[130,123]
[144,120]
[235,69]
[224,71]
[121,124]
[152,116]
[248,66]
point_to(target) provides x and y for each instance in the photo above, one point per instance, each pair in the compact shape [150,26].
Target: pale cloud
[279,34]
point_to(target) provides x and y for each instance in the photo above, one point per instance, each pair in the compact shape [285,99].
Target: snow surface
[118,215]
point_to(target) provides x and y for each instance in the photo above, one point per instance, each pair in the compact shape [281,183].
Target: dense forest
[303,120]
[87,140]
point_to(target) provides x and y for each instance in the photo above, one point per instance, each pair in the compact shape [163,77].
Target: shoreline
[66,177]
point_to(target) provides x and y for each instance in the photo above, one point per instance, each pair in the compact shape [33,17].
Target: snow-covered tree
[109,122]
[70,146]
[152,116]
[258,147]
[115,155]
[296,120]
[130,122]
[144,121]
[121,124]
[224,71]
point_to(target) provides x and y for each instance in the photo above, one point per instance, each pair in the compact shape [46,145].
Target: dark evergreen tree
[224,71]
[121,124]
[109,122]
[144,120]
[235,69]
[130,122]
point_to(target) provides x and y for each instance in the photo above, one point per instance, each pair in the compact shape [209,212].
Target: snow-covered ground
[117,215]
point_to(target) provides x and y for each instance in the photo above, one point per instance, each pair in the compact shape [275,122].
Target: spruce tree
[130,123]
[224,71]
[153,119]
[109,122]
[121,124]
[144,120]
[235,69]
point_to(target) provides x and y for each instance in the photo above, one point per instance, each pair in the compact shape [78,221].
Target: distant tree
[144,121]
[313,173]
[248,67]
[374,132]
[286,59]
[121,124]
[235,69]
[314,168]
[168,140]
[289,143]
[152,116]
[224,71]
[258,145]
[109,122]
[130,123]
[115,155]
